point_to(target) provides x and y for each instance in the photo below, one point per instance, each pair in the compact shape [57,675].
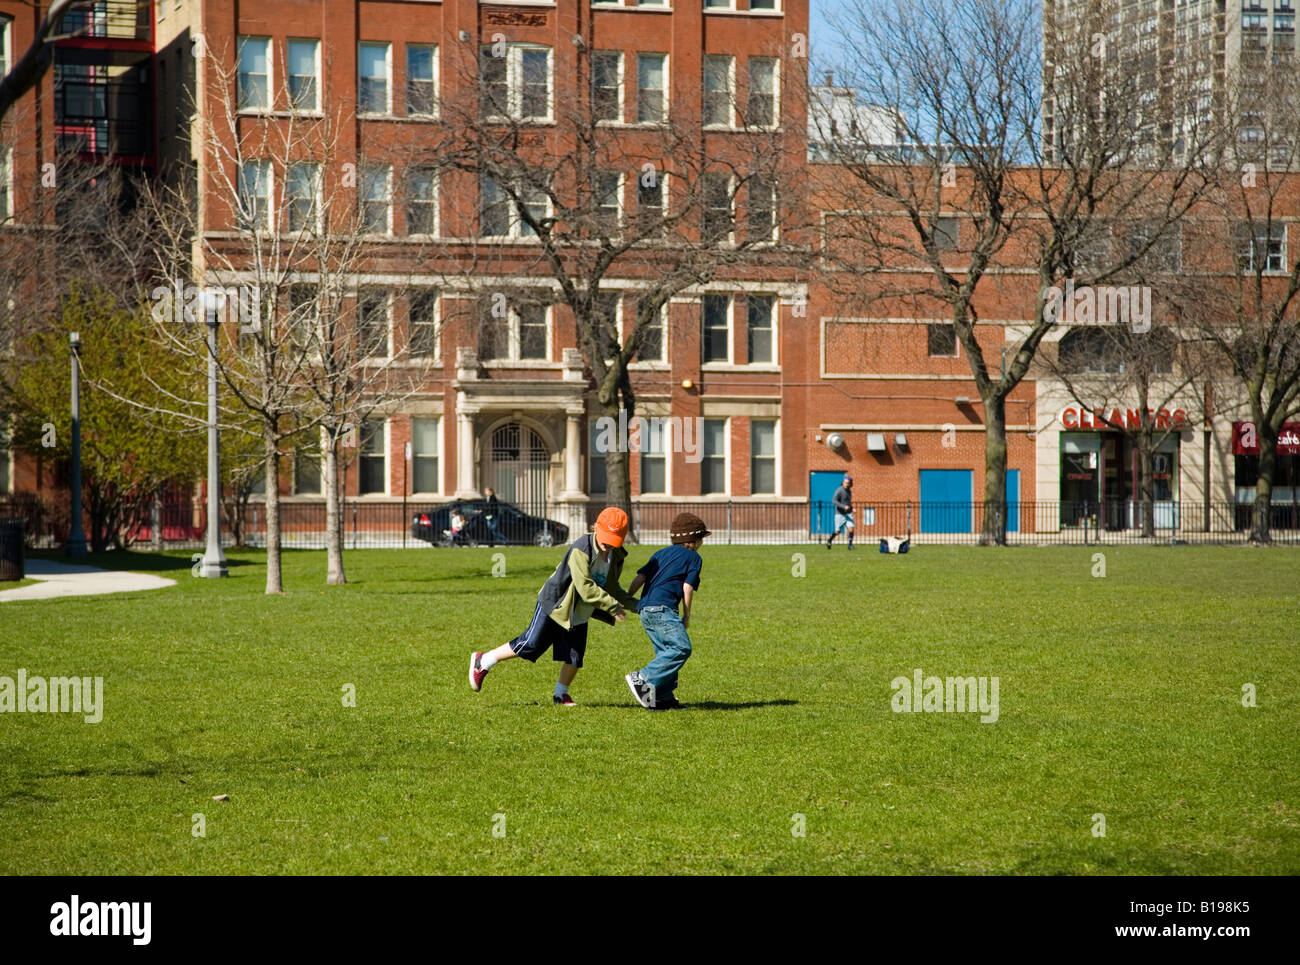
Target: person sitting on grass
[584,585]
[671,576]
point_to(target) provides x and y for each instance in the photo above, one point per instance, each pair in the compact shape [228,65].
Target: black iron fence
[371,524]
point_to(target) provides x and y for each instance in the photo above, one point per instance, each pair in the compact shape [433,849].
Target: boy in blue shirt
[671,576]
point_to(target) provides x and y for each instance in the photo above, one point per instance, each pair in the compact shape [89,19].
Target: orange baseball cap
[611,526]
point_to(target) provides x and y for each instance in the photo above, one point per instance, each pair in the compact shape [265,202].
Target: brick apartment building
[791,387]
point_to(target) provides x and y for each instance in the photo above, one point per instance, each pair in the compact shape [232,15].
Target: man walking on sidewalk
[843,503]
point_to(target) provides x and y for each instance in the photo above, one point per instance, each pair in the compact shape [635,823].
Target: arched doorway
[519,468]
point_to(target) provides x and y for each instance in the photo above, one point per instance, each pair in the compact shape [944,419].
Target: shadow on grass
[135,562]
[708,705]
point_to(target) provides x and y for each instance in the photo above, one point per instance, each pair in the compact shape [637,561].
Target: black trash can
[12,552]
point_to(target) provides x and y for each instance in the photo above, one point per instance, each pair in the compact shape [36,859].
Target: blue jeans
[672,646]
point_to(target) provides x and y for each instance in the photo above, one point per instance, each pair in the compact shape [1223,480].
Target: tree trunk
[1263,510]
[271,463]
[334,575]
[1146,485]
[155,521]
[618,478]
[994,531]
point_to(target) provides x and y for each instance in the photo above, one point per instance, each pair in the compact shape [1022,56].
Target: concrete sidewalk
[77,579]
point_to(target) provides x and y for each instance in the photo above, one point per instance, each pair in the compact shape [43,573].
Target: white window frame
[7,184]
[514,59]
[730,237]
[316,207]
[388,318]
[437,454]
[6,42]
[662,360]
[240,73]
[667,444]
[514,341]
[776,8]
[437,207]
[362,200]
[775,95]
[620,95]
[316,76]
[776,455]
[266,222]
[436,108]
[618,199]
[388,469]
[514,223]
[774,361]
[730,123]
[774,232]
[7,456]
[664,103]
[414,293]
[726,456]
[388,78]
[1252,233]
[712,6]
[730,327]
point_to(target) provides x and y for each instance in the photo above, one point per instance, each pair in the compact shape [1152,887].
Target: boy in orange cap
[584,584]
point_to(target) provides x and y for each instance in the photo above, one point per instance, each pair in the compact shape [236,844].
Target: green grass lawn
[15,584]
[1119,696]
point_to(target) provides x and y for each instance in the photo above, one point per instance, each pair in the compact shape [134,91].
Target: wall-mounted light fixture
[962,400]
[900,440]
[835,441]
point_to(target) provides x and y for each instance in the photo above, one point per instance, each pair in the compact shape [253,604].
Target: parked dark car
[516,526]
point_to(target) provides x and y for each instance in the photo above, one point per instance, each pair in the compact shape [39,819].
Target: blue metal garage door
[946,496]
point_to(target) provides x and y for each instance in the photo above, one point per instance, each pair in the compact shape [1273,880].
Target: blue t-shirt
[665,572]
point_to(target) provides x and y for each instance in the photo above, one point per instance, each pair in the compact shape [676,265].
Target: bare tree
[965,191]
[585,212]
[27,72]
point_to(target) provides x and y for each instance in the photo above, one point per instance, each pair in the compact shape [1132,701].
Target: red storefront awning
[1245,439]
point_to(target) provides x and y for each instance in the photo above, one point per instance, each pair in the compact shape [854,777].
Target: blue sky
[817,14]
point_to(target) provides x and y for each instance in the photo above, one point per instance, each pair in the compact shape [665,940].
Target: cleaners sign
[1079,418]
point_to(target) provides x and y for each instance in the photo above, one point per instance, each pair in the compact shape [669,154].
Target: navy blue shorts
[566,646]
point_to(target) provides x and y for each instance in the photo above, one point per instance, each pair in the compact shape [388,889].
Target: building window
[499,215]
[761,107]
[607,85]
[1261,247]
[373,80]
[304,71]
[597,476]
[4,46]
[307,470]
[6,183]
[374,195]
[763,5]
[302,185]
[254,73]
[255,195]
[303,315]
[608,189]
[713,463]
[650,191]
[762,457]
[651,91]
[717,4]
[762,209]
[373,476]
[717,213]
[942,339]
[421,83]
[421,202]
[653,340]
[717,90]
[760,311]
[654,462]
[522,332]
[422,322]
[717,328]
[944,232]
[515,82]
[424,456]
[1093,351]
[372,323]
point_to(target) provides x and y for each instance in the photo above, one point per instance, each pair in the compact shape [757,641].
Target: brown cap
[687,527]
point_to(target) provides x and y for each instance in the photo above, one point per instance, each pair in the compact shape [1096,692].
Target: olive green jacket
[571,596]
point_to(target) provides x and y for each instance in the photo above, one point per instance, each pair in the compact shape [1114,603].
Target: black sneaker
[642,691]
[670,703]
